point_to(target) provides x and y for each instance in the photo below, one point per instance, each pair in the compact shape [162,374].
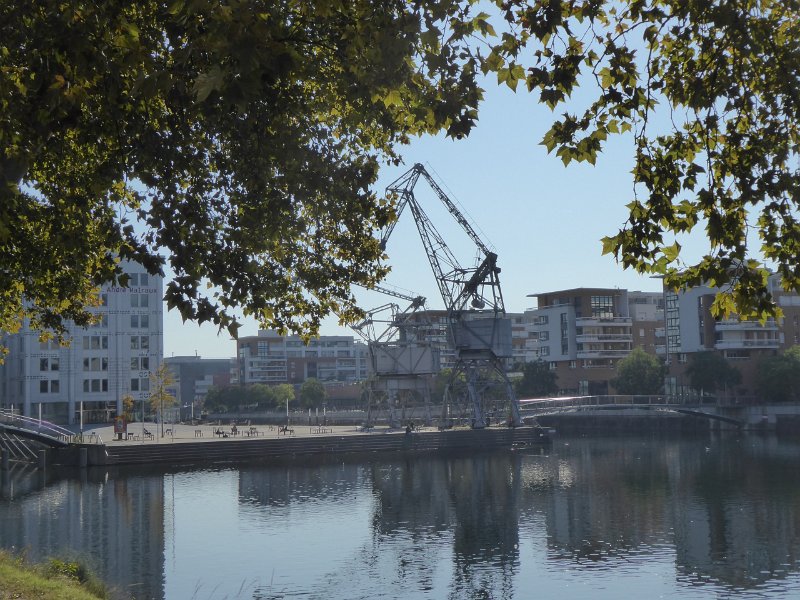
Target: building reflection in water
[718,512]
[114,525]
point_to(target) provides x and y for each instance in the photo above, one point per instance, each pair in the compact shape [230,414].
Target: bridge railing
[39,426]
[542,404]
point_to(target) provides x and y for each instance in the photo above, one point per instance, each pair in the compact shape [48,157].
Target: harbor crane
[477,327]
[401,363]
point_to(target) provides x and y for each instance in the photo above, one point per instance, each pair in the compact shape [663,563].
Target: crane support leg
[478,417]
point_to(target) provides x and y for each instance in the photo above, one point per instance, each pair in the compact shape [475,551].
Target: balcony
[736,325]
[604,337]
[604,321]
[740,344]
[603,353]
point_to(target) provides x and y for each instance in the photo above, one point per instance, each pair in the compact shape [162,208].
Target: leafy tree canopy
[709,90]
[161,380]
[710,371]
[537,380]
[778,377]
[284,393]
[639,373]
[312,393]
[239,139]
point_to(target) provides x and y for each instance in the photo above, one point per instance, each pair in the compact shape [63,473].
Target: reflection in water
[113,525]
[593,518]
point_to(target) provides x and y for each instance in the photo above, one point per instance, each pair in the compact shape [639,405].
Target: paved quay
[208,444]
[183,433]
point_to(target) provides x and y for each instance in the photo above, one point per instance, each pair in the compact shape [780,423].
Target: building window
[138,279]
[48,364]
[100,321]
[573,364]
[140,363]
[602,307]
[544,336]
[140,321]
[51,386]
[49,345]
[140,384]
[95,385]
[545,351]
[95,342]
[140,342]
[140,300]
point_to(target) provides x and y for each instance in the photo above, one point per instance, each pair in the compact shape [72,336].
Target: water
[589,518]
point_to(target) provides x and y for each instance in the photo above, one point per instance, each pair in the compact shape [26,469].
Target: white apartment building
[691,328]
[103,363]
[271,358]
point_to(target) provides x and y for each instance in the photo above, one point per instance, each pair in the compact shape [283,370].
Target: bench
[286,429]
[198,433]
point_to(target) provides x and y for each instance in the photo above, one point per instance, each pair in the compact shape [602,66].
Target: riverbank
[54,580]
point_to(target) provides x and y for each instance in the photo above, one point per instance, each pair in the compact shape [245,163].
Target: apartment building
[272,358]
[102,363]
[582,333]
[691,328]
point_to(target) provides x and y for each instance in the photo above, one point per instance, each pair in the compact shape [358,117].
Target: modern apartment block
[104,362]
[272,358]
[584,332]
[691,328]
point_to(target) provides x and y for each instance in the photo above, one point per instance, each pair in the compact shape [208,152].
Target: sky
[544,220]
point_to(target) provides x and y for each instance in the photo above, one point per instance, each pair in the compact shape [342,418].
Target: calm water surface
[588,518]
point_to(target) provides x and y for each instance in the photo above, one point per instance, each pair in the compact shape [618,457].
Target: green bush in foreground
[53,580]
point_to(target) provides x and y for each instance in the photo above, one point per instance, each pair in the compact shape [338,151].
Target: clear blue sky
[544,220]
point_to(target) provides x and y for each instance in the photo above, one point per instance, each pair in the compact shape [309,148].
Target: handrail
[32,424]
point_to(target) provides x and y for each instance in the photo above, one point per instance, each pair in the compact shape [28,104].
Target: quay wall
[253,449]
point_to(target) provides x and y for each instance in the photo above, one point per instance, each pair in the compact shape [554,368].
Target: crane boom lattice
[477,327]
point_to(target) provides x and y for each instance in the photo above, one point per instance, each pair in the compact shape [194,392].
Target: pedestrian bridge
[22,436]
[535,407]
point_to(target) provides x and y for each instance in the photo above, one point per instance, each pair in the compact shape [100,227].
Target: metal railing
[46,428]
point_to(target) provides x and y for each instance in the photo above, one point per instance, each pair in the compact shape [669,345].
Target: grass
[52,580]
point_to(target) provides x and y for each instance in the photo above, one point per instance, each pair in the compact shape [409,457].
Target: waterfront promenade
[208,433]
[186,443]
